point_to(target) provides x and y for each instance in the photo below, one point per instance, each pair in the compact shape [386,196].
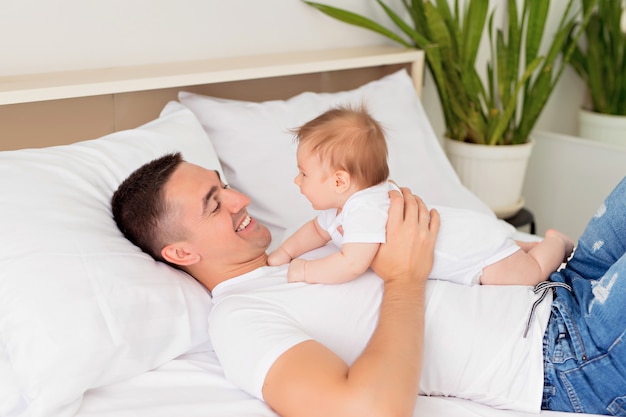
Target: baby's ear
[342,181]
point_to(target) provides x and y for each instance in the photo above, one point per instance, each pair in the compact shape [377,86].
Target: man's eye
[217,203]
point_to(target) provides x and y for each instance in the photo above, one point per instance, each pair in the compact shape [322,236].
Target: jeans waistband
[542,288]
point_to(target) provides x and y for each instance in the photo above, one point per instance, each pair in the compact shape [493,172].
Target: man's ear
[180,254]
[342,181]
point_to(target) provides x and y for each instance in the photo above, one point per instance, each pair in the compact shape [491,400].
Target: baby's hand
[296,270]
[278,257]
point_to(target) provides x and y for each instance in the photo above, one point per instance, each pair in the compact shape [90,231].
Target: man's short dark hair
[139,206]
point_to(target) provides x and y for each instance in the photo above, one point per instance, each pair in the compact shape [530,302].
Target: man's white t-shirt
[474,344]
[467,242]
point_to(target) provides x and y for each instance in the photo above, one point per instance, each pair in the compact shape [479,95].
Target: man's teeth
[244,224]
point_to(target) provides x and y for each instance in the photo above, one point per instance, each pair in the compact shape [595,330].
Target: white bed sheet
[191,385]
[194,386]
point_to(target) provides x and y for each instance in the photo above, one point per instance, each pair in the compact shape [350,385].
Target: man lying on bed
[355,349]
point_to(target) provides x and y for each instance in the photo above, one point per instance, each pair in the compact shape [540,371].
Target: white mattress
[194,386]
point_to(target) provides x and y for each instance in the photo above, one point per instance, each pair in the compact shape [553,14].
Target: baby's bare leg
[526,246]
[567,242]
[532,267]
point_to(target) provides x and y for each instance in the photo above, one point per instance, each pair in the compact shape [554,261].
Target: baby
[343,172]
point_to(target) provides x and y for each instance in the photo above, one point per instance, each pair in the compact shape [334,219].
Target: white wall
[568,178]
[53,35]
[57,35]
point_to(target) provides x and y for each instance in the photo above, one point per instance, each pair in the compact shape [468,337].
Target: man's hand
[411,236]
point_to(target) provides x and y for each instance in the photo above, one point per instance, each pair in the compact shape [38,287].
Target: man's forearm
[310,380]
[393,356]
[390,366]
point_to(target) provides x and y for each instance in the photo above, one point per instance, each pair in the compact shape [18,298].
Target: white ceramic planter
[494,173]
[606,128]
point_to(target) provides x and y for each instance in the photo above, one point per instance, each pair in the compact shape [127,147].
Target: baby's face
[314,180]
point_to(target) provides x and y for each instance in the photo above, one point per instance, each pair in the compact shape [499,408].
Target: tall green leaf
[599,58]
[536,22]
[519,80]
[472,32]
[511,104]
[358,20]
[417,37]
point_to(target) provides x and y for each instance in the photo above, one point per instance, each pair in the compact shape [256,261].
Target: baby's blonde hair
[348,139]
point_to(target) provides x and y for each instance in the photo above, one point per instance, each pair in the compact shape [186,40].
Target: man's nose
[235,200]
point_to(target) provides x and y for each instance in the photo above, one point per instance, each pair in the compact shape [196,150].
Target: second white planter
[606,128]
[494,173]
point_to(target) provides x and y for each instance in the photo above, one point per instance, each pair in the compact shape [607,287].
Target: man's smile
[246,221]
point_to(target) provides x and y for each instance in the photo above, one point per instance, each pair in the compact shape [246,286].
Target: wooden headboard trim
[72,84]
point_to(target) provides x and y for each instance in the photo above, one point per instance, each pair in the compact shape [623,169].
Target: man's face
[214,217]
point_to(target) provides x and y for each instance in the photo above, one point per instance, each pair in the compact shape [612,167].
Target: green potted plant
[600,60]
[502,107]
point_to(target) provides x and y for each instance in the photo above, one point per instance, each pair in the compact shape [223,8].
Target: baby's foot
[567,241]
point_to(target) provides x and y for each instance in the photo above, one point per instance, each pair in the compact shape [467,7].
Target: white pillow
[80,306]
[11,400]
[258,153]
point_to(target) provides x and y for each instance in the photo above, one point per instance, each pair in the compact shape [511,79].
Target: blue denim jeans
[585,342]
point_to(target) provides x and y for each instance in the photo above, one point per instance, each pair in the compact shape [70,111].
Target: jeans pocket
[597,387]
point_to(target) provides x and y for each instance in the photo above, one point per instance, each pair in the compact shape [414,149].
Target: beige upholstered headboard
[58,108]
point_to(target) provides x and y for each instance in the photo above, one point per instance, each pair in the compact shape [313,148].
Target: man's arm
[310,380]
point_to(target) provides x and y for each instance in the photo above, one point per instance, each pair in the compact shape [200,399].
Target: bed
[92,327]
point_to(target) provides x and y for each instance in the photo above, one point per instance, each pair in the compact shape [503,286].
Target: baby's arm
[308,237]
[343,266]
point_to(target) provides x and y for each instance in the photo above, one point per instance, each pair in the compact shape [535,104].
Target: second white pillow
[258,153]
